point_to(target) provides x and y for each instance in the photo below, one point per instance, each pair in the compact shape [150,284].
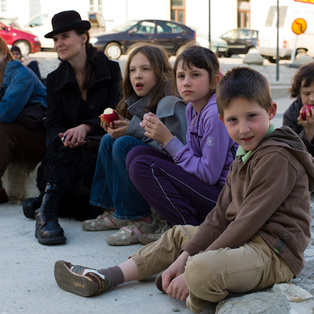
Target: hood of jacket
[287,138]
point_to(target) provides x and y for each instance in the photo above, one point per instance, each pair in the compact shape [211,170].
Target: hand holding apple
[303,111]
[108,116]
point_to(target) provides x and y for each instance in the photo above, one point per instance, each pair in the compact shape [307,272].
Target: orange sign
[299,26]
[305,1]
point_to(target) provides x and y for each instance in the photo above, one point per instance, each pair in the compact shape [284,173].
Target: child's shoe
[130,233]
[80,280]
[106,221]
[151,237]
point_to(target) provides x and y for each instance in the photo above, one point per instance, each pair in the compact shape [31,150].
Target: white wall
[223,16]
[119,11]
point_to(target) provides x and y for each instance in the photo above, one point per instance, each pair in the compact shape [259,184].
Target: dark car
[241,41]
[11,32]
[168,34]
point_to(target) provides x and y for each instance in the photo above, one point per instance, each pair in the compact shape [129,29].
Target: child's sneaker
[106,221]
[151,237]
[80,280]
[130,233]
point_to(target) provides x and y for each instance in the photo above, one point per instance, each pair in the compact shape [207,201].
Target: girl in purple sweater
[183,185]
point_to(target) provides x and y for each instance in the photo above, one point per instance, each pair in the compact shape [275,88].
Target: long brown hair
[5,50]
[162,69]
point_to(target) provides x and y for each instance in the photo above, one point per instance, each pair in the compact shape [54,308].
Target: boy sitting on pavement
[258,231]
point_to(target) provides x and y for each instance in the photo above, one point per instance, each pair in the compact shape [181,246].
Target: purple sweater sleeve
[208,144]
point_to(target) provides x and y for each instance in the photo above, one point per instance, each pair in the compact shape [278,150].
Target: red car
[15,36]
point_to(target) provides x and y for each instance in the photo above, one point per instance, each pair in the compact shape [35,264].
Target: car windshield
[9,22]
[124,27]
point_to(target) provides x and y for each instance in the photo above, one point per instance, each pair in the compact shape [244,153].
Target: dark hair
[16,49]
[243,82]
[89,70]
[162,69]
[302,78]
[201,58]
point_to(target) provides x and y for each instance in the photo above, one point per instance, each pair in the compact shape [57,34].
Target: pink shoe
[106,221]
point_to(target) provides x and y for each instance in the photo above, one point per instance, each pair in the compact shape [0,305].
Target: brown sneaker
[151,237]
[106,221]
[3,195]
[80,280]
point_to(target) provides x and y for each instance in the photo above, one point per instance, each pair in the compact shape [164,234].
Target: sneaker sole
[74,283]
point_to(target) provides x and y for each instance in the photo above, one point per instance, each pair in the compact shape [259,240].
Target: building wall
[223,16]
[223,12]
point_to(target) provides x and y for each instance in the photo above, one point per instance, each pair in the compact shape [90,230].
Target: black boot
[31,204]
[48,231]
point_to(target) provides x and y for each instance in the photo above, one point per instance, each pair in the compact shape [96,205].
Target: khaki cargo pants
[211,275]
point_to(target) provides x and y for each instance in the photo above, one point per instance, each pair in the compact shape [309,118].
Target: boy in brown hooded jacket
[258,231]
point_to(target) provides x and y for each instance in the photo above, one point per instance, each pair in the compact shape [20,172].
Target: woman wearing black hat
[85,83]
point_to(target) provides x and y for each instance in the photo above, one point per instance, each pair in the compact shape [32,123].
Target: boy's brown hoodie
[268,195]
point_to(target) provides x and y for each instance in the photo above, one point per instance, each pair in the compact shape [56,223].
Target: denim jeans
[112,187]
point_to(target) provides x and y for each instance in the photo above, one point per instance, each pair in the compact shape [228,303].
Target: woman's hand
[155,129]
[75,137]
[173,281]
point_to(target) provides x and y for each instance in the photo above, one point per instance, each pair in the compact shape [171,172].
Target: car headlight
[93,40]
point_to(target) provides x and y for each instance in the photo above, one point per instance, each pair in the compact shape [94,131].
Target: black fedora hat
[67,21]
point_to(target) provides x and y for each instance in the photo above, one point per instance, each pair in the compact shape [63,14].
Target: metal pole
[277,59]
[209,29]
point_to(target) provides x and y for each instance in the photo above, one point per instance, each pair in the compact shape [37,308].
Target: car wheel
[252,50]
[113,51]
[24,46]
[228,54]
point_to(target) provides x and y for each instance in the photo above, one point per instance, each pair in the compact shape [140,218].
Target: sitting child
[303,89]
[258,231]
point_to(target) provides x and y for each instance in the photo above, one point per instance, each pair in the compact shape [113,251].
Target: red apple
[303,111]
[109,115]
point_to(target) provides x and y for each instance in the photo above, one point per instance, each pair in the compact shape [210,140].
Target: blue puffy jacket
[19,86]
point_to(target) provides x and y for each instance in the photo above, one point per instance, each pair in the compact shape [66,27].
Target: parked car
[170,35]
[217,45]
[40,25]
[12,33]
[241,41]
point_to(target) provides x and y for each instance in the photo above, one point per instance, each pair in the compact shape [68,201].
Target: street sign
[305,1]
[299,26]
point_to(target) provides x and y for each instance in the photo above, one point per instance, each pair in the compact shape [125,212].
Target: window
[178,11]
[244,14]
[171,28]
[271,20]
[145,28]
[3,7]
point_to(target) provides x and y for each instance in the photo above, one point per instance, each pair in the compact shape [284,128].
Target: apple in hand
[109,115]
[303,111]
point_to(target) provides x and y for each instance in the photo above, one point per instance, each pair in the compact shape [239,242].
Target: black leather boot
[48,231]
[31,204]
